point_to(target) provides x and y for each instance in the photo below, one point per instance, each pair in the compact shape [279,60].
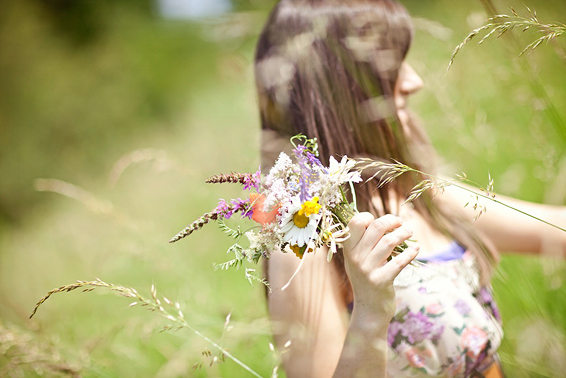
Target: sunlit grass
[204,122]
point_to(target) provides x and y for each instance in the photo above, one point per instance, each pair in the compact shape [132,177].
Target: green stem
[340,213]
[343,195]
[353,189]
[222,350]
[452,182]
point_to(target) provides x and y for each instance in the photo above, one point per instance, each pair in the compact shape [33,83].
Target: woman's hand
[365,253]
[371,275]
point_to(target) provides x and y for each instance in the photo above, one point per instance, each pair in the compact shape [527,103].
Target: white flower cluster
[303,193]
[338,174]
[267,240]
[281,182]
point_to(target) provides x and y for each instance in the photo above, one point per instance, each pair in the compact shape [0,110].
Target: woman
[335,70]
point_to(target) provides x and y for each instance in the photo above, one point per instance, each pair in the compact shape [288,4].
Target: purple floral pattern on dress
[411,328]
[444,326]
[392,332]
[462,307]
[485,298]
[436,332]
[416,327]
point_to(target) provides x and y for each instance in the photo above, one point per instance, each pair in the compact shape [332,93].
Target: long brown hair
[328,69]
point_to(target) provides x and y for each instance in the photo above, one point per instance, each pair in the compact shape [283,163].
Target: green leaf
[235,234]
[237,250]
[235,263]
[459,330]
[252,276]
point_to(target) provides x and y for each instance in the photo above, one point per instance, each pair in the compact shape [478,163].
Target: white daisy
[340,171]
[300,222]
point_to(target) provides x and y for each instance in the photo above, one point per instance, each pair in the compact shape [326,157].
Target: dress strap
[454,251]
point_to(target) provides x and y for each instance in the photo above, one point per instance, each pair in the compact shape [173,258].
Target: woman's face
[408,82]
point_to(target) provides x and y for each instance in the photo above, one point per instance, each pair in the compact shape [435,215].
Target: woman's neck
[429,239]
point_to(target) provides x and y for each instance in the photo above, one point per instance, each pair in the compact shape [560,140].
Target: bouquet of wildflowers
[300,205]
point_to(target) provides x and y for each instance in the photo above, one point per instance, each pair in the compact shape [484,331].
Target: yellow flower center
[301,217]
[300,220]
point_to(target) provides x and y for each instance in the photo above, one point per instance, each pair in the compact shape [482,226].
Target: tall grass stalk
[154,304]
[502,25]
[390,171]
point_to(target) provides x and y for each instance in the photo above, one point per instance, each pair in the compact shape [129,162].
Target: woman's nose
[410,81]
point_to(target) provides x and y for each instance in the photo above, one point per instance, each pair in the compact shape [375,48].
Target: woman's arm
[312,311]
[510,230]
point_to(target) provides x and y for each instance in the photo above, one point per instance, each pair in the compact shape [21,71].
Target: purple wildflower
[416,327]
[252,181]
[313,160]
[224,208]
[299,152]
[249,180]
[305,171]
[244,206]
[462,307]
[307,161]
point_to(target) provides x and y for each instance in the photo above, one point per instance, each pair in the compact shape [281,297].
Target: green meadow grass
[72,110]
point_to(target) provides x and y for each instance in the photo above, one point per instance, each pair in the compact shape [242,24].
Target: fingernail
[416,250]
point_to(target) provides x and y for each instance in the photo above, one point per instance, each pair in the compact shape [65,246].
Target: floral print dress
[446,324]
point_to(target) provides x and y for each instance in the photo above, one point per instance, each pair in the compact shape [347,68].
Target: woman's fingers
[357,227]
[371,242]
[374,233]
[398,263]
[385,246]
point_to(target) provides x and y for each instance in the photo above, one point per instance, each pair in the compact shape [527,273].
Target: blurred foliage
[83,77]
[87,84]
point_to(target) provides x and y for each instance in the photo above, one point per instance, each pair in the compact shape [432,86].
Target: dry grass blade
[502,23]
[174,315]
[86,286]
[159,157]
[396,169]
[196,225]
[470,36]
[75,192]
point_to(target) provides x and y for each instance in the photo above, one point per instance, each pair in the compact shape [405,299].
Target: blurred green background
[136,110]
